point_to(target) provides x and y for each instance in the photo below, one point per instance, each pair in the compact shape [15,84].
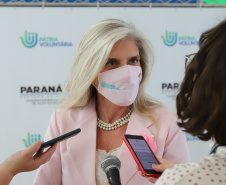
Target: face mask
[120,85]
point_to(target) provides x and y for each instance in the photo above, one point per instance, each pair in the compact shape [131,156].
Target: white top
[211,170]
[101,177]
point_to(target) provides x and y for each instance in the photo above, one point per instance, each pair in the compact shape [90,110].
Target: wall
[29,67]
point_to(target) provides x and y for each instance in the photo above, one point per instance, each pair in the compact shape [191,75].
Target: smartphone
[142,154]
[60,138]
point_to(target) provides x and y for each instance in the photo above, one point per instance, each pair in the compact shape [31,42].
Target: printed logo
[105,85]
[31,138]
[170,89]
[31,40]
[170,86]
[40,90]
[41,95]
[189,137]
[171,38]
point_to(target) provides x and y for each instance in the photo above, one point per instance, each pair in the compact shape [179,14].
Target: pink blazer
[73,163]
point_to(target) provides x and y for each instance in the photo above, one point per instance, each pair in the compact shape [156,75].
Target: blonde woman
[105,97]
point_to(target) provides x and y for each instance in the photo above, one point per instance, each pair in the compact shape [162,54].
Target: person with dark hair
[201,106]
[24,161]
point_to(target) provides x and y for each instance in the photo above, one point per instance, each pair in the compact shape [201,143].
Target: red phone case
[137,161]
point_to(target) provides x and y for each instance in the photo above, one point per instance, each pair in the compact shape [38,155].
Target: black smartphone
[60,138]
[142,154]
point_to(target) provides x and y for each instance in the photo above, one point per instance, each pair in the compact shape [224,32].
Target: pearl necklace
[118,123]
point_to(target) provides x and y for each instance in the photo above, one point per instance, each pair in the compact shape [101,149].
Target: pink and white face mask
[120,85]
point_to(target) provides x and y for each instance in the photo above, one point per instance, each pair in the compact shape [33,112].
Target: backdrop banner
[37,48]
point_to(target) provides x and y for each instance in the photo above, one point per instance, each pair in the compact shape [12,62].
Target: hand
[106,183]
[24,160]
[164,164]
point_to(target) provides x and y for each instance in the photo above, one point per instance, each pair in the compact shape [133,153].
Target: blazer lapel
[136,126]
[82,148]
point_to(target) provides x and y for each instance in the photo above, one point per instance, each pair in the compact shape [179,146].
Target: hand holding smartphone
[142,154]
[60,138]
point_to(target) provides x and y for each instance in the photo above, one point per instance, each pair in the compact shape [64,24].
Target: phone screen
[143,153]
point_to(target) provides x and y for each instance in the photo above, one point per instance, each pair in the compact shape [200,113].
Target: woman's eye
[110,63]
[134,61]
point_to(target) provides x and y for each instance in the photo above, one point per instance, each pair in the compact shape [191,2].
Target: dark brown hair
[201,102]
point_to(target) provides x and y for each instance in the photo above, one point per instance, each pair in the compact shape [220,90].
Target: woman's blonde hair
[93,51]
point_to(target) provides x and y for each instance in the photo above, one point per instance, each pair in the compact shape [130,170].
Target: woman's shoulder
[62,112]
[161,112]
[74,111]
[208,171]
[165,118]
[67,119]
[62,117]
[180,173]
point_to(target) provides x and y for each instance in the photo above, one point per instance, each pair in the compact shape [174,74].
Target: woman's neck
[109,112]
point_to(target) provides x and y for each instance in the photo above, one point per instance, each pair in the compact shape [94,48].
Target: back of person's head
[93,51]
[201,102]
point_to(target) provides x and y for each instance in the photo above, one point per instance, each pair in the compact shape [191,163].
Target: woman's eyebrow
[135,57]
[116,59]
[112,59]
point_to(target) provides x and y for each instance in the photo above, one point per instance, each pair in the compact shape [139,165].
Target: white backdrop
[32,78]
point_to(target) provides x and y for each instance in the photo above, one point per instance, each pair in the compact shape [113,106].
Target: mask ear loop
[94,86]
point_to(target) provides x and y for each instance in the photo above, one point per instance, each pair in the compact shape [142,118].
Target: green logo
[30,39]
[109,86]
[215,1]
[170,38]
[31,138]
